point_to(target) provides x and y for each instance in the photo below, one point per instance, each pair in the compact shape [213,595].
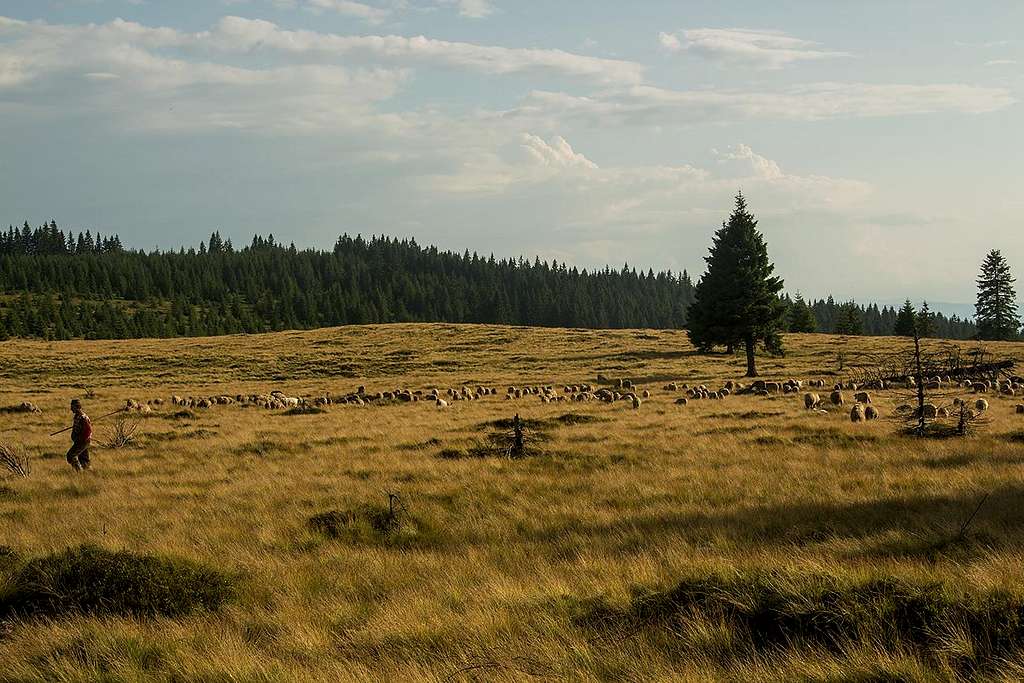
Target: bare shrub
[124,431]
[14,460]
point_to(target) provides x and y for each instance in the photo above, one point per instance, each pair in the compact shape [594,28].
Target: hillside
[55,286]
[519,565]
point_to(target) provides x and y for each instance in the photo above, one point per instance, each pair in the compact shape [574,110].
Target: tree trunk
[751,368]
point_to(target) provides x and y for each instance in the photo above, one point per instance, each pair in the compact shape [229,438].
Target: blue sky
[880,143]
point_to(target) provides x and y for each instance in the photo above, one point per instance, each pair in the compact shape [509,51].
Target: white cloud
[1001,62]
[670,42]
[556,153]
[649,106]
[373,15]
[749,163]
[471,9]
[245,35]
[124,68]
[763,49]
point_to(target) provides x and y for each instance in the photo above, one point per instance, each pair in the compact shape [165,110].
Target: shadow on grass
[766,613]
[804,523]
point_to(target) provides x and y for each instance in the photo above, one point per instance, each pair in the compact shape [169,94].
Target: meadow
[742,539]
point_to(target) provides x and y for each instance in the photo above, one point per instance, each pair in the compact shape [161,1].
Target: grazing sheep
[441,403]
[646,394]
[27,407]
[811,401]
[870,413]
[1020,409]
[857,413]
[930,411]
[862,397]
[836,398]
[683,401]
[981,405]
[636,403]
[979,387]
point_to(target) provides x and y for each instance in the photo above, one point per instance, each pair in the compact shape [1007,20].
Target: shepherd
[81,438]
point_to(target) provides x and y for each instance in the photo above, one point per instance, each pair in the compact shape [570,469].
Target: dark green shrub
[93,580]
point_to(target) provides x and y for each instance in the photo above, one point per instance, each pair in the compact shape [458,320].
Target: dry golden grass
[498,556]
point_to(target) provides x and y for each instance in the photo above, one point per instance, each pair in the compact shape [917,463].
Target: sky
[879,142]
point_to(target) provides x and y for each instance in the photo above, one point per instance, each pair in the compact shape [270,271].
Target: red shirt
[81,429]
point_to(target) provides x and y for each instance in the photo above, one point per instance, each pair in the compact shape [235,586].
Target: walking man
[81,437]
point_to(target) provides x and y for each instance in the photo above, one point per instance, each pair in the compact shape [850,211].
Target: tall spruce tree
[801,318]
[925,321]
[996,312]
[737,299]
[906,320]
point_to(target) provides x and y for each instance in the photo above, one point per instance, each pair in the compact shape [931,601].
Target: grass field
[742,539]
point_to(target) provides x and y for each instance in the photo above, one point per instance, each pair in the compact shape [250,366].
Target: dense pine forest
[56,285]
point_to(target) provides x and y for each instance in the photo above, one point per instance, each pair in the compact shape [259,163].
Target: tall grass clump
[95,581]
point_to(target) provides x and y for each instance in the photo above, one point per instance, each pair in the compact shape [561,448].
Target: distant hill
[55,285]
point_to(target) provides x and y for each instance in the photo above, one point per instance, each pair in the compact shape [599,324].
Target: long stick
[96,420]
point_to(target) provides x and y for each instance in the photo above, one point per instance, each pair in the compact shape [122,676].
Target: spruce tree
[996,312]
[849,321]
[906,320]
[925,321]
[801,318]
[737,299]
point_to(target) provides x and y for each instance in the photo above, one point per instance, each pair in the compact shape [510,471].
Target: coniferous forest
[56,285]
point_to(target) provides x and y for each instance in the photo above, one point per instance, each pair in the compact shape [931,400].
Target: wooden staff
[96,420]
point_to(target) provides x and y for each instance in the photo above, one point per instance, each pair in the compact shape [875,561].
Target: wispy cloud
[649,106]
[757,48]
[472,9]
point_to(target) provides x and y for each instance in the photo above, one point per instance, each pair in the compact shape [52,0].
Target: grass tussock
[89,580]
[375,525]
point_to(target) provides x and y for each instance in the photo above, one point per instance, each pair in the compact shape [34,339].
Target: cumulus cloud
[762,49]
[744,158]
[556,153]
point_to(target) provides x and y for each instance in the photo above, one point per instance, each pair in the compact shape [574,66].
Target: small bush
[14,460]
[123,433]
[92,580]
[374,525]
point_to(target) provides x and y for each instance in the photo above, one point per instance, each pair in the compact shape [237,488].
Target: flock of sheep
[621,390]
